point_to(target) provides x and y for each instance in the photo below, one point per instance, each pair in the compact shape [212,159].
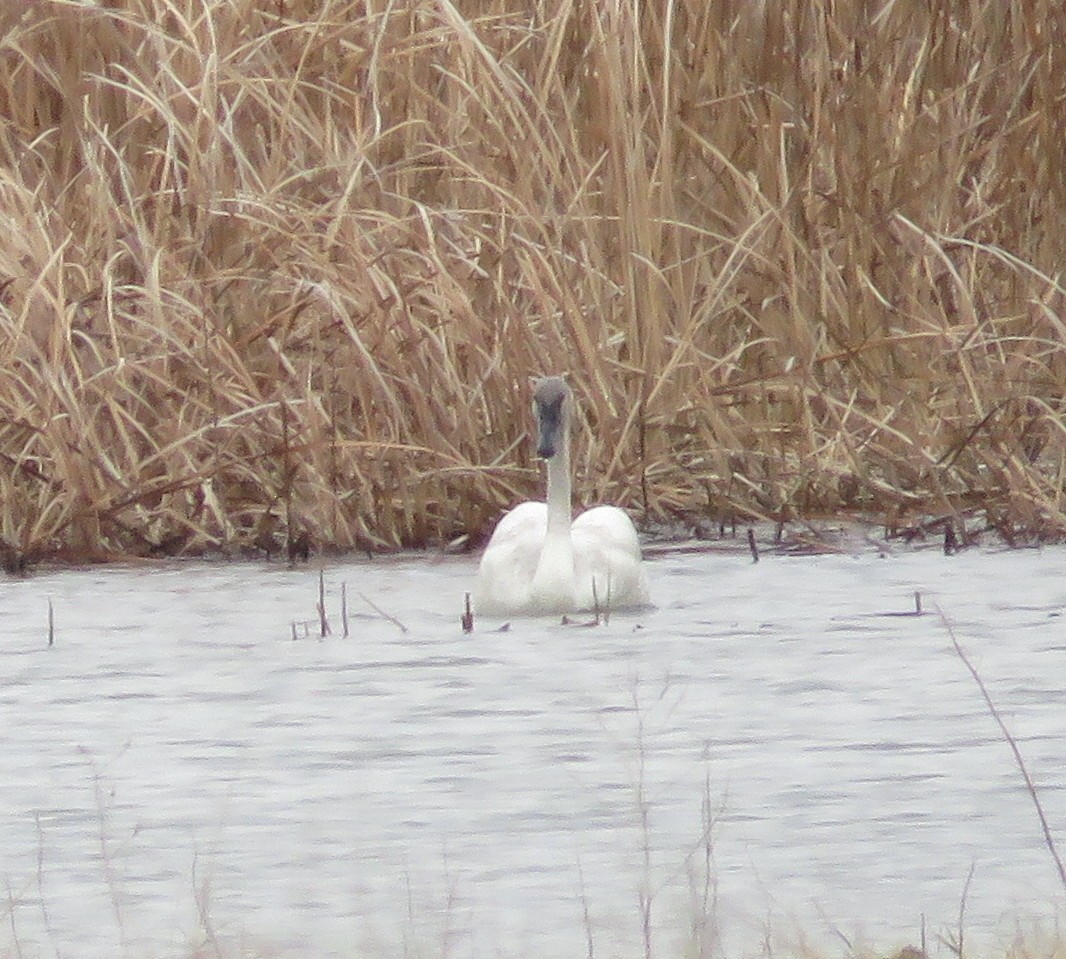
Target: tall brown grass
[276,265]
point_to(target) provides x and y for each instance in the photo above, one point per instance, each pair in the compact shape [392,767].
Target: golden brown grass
[273,265]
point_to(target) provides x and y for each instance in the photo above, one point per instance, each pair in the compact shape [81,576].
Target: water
[177,769]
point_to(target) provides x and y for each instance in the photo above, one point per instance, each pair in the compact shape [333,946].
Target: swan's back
[505,576]
[607,553]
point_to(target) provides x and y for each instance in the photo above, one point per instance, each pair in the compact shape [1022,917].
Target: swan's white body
[537,560]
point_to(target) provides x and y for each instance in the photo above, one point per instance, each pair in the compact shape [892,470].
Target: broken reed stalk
[51,625]
[752,545]
[323,619]
[601,612]
[1030,786]
[754,302]
[467,619]
[344,609]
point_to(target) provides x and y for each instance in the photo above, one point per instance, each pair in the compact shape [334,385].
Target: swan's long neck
[559,495]
[554,580]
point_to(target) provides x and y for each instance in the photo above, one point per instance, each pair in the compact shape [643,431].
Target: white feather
[538,561]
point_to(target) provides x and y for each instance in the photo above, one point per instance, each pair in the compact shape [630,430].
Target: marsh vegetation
[278,271]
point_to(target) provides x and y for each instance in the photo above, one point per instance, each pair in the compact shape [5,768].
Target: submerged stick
[344,609]
[51,625]
[468,616]
[1049,840]
[917,611]
[377,609]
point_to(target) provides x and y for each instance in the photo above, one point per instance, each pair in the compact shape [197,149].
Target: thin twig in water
[104,797]
[962,907]
[705,910]
[377,609]
[586,914]
[323,620]
[1029,784]
[12,903]
[957,942]
[344,609]
[597,613]
[917,611]
[201,889]
[839,933]
[753,546]
[51,625]
[646,896]
[45,917]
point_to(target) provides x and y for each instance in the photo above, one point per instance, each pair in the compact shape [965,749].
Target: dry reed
[280,268]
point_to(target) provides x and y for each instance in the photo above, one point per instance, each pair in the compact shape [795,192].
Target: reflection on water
[177,767]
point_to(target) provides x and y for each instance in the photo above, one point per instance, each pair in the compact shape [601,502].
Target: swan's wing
[610,527]
[607,552]
[505,575]
[526,523]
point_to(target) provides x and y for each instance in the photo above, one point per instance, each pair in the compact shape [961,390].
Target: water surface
[771,746]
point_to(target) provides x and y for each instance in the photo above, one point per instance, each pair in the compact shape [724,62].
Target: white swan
[537,560]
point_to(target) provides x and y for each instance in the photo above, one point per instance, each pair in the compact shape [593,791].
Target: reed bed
[279,270]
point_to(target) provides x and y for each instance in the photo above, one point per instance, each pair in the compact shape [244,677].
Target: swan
[537,560]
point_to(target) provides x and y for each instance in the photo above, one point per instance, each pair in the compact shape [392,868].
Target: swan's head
[551,406]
